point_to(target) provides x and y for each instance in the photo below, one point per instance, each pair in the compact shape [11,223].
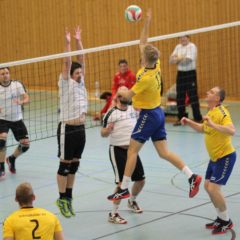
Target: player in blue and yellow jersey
[218,129]
[29,222]
[145,95]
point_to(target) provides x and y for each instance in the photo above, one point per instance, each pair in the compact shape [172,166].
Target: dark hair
[221,94]
[5,68]
[121,61]
[184,36]
[74,66]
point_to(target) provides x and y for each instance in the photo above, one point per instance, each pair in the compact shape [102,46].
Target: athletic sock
[132,198]
[125,182]
[12,157]
[187,171]
[115,208]
[224,215]
[2,166]
[69,192]
[62,195]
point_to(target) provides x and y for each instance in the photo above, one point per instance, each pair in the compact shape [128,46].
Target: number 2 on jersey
[35,229]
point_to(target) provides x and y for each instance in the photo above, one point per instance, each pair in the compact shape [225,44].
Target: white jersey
[9,110]
[73,98]
[124,121]
[188,51]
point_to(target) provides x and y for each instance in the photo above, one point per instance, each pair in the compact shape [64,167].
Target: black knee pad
[23,147]
[2,144]
[74,167]
[64,169]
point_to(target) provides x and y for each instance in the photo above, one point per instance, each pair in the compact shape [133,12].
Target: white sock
[187,171]
[125,182]
[218,211]
[115,208]
[223,215]
[132,198]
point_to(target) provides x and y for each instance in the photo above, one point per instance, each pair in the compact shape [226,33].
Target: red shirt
[127,79]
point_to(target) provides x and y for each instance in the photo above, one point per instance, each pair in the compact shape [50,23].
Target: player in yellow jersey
[29,222]
[145,95]
[218,129]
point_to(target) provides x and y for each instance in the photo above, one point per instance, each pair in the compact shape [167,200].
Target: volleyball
[133,13]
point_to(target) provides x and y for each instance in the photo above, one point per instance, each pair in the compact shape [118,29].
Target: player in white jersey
[185,57]
[118,123]
[71,128]
[12,97]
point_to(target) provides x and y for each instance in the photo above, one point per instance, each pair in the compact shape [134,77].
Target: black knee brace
[2,144]
[23,147]
[74,167]
[64,169]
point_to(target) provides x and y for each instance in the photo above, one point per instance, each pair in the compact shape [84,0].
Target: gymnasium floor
[168,212]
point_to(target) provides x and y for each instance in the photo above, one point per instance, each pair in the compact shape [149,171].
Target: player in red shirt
[124,77]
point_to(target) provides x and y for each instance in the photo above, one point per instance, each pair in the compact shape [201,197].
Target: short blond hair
[24,194]
[151,53]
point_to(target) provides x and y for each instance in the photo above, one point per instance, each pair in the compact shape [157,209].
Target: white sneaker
[116,218]
[134,206]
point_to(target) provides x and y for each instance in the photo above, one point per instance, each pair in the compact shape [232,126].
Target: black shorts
[118,158]
[18,128]
[71,141]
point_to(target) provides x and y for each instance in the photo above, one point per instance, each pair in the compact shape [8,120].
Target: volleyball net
[218,65]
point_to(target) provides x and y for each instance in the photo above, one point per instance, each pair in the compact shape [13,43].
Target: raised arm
[145,31]
[67,60]
[79,46]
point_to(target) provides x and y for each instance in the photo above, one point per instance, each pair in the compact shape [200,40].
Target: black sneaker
[194,181]
[223,227]
[213,224]
[120,194]
[11,165]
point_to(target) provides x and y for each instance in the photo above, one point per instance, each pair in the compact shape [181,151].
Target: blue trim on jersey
[218,172]
[151,123]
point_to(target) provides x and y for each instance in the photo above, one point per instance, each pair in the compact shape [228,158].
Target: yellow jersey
[31,223]
[218,144]
[147,88]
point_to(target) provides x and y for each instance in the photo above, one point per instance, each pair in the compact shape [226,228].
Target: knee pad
[23,147]
[64,169]
[2,144]
[74,167]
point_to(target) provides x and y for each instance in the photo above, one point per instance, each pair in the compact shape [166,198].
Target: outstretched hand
[149,14]
[77,34]
[67,36]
